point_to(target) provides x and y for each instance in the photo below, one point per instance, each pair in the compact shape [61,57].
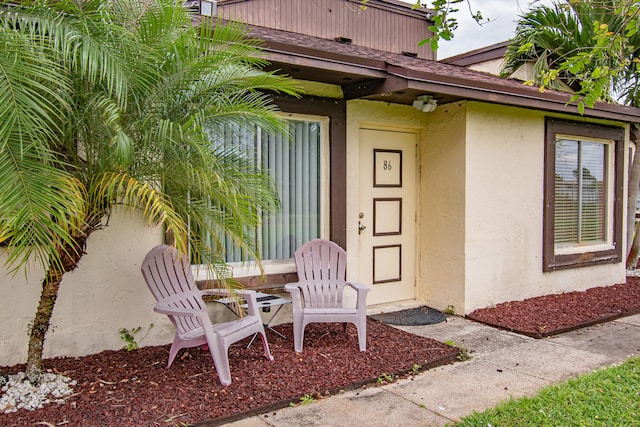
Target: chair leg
[221,361]
[298,336]
[362,335]
[176,346]
[265,345]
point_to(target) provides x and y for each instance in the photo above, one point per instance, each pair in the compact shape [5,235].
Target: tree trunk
[50,286]
[632,258]
[633,243]
[41,322]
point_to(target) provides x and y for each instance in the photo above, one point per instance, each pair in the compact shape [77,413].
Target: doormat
[412,317]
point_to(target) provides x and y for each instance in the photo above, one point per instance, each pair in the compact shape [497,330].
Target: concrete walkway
[504,365]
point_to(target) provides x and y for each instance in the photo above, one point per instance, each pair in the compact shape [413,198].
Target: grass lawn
[606,397]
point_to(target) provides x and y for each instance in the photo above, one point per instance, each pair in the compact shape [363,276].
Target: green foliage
[127,335]
[604,397]
[109,104]
[385,378]
[94,94]
[591,46]
[307,399]
[444,22]
[463,355]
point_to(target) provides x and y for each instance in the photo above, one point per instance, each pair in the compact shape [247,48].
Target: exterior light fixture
[425,103]
[208,7]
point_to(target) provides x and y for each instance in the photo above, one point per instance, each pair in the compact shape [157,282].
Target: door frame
[353,212]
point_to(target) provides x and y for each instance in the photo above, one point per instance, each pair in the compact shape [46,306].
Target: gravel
[19,393]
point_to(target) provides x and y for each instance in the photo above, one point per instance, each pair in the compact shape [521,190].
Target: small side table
[265,302]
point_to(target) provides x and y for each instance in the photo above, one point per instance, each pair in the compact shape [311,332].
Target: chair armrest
[294,290]
[175,311]
[359,286]
[240,295]
[291,287]
[362,291]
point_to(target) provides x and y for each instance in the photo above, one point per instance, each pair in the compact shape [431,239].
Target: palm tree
[555,37]
[593,47]
[115,103]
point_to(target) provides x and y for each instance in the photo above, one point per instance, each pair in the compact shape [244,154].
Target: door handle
[361,227]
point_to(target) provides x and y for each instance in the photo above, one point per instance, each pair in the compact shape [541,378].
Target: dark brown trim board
[335,109]
[551,260]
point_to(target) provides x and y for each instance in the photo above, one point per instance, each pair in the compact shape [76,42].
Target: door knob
[361,227]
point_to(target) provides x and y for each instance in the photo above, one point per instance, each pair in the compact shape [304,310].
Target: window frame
[610,253]
[243,269]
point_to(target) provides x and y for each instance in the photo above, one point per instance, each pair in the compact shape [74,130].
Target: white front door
[387,214]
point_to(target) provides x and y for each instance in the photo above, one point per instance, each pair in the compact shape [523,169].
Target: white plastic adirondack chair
[317,296]
[169,278]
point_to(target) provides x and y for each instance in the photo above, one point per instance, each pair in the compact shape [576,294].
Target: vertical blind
[294,166]
[293,163]
[580,192]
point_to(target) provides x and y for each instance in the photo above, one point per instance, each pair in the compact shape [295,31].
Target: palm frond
[32,93]
[42,207]
[121,188]
[74,37]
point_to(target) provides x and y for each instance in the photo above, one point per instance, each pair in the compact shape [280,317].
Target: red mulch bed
[554,314]
[120,388]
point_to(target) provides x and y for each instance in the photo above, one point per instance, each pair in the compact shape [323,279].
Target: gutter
[553,101]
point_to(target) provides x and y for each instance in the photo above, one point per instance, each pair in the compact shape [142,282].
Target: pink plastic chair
[169,278]
[317,296]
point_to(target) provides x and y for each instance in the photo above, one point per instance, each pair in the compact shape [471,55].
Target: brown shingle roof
[373,74]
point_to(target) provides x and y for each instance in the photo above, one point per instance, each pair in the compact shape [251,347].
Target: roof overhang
[521,96]
[363,78]
[365,73]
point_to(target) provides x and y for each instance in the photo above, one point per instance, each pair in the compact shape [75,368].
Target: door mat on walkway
[412,317]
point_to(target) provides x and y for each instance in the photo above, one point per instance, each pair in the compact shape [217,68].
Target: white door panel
[387,201]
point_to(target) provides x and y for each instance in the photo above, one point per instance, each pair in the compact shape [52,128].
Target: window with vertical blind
[583,194]
[294,162]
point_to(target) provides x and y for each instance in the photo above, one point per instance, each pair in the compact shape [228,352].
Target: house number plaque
[387,168]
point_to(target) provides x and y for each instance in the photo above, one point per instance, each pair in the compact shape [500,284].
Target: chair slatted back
[321,266]
[168,276]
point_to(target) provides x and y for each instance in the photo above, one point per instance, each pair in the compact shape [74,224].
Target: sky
[502,16]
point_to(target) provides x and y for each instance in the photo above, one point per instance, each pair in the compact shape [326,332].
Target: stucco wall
[504,204]
[105,293]
[442,201]
[479,239]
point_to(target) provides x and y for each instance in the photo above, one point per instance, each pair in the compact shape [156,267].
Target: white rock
[19,393]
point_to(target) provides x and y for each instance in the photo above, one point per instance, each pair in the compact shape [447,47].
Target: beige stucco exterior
[478,240]
[105,293]
[503,215]
[442,199]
